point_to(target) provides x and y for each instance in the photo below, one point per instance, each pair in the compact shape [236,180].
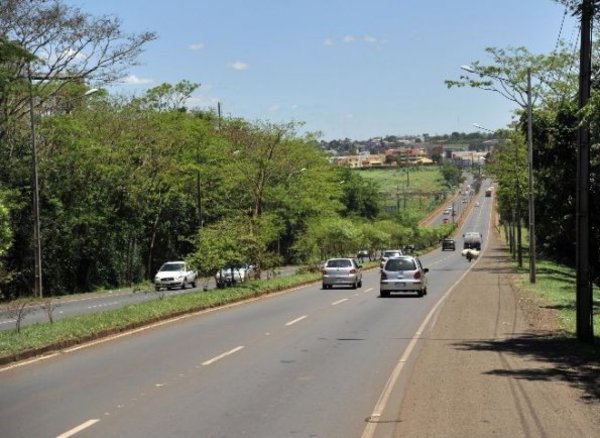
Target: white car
[173,275]
[389,253]
[230,276]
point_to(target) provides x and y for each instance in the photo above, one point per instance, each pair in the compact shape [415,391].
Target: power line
[562,23]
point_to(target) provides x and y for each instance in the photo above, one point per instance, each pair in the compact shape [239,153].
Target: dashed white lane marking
[369,431]
[221,356]
[369,290]
[294,321]
[78,429]
[335,303]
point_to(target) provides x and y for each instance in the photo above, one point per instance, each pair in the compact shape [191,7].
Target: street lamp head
[468,68]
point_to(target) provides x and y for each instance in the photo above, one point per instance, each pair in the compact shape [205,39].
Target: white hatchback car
[403,274]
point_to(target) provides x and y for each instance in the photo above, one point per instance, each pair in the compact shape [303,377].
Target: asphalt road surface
[308,362]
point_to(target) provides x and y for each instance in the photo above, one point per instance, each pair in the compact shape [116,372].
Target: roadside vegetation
[129,182]
[554,289]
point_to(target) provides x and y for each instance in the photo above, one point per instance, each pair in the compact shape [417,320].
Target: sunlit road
[305,363]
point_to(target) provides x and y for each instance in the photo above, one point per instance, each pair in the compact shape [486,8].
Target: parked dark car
[448,244]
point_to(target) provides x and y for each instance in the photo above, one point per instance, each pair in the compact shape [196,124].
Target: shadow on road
[573,363]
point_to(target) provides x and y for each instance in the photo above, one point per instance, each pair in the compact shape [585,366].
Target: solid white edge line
[335,303]
[294,321]
[221,356]
[370,428]
[78,429]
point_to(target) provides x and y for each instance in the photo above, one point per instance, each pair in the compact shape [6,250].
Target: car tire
[425,291]
[355,285]
[157,288]
[360,283]
[183,285]
[194,283]
[420,293]
[384,293]
[325,286]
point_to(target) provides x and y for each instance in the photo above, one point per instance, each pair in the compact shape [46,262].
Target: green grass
[85,327]
[393,185]
[556,285]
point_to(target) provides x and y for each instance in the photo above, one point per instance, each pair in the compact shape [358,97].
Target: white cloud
[328,42]
[134,80]
[294,107]
[370,39]
[196,46]
[349,39]
[348,116]
[238,65]
[274,108]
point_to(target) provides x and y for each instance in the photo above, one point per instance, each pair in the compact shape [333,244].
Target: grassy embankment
[555,285]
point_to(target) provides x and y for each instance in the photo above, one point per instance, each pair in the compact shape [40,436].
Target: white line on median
[221,356]
[296,320]
[78,429]
[335,303]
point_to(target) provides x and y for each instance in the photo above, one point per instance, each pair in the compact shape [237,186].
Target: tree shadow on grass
[572,362]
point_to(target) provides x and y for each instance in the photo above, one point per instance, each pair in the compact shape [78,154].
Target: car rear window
[400,265]
[391,254]
[339,263]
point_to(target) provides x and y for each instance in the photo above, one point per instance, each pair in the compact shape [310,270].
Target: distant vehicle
[176,274]
[488,192]
[362,254]
[472,240]
[232,275]
[389,253]
[449,244]
[341,271]
[403,274]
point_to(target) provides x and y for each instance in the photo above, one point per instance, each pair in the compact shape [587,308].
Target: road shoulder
[494,364]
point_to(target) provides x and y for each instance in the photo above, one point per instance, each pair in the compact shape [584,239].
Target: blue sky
[346,68]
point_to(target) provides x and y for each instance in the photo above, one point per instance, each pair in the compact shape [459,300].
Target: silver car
[343,272]
[403,274]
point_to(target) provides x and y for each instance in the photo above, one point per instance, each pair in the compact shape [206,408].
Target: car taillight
[353,271]
[418,274]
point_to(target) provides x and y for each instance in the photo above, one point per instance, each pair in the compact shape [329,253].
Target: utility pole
[219,115]
[530,175]
[584,303]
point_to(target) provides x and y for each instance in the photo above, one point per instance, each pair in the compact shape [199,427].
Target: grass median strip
[36,338]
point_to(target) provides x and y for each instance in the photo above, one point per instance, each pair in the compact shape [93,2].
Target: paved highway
[308,362]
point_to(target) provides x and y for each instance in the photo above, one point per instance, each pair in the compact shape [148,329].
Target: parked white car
[173,275]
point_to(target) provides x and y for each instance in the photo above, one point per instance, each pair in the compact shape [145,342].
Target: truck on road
[472,240]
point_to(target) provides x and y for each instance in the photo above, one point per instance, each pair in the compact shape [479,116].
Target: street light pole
[528,107]
[37,241]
